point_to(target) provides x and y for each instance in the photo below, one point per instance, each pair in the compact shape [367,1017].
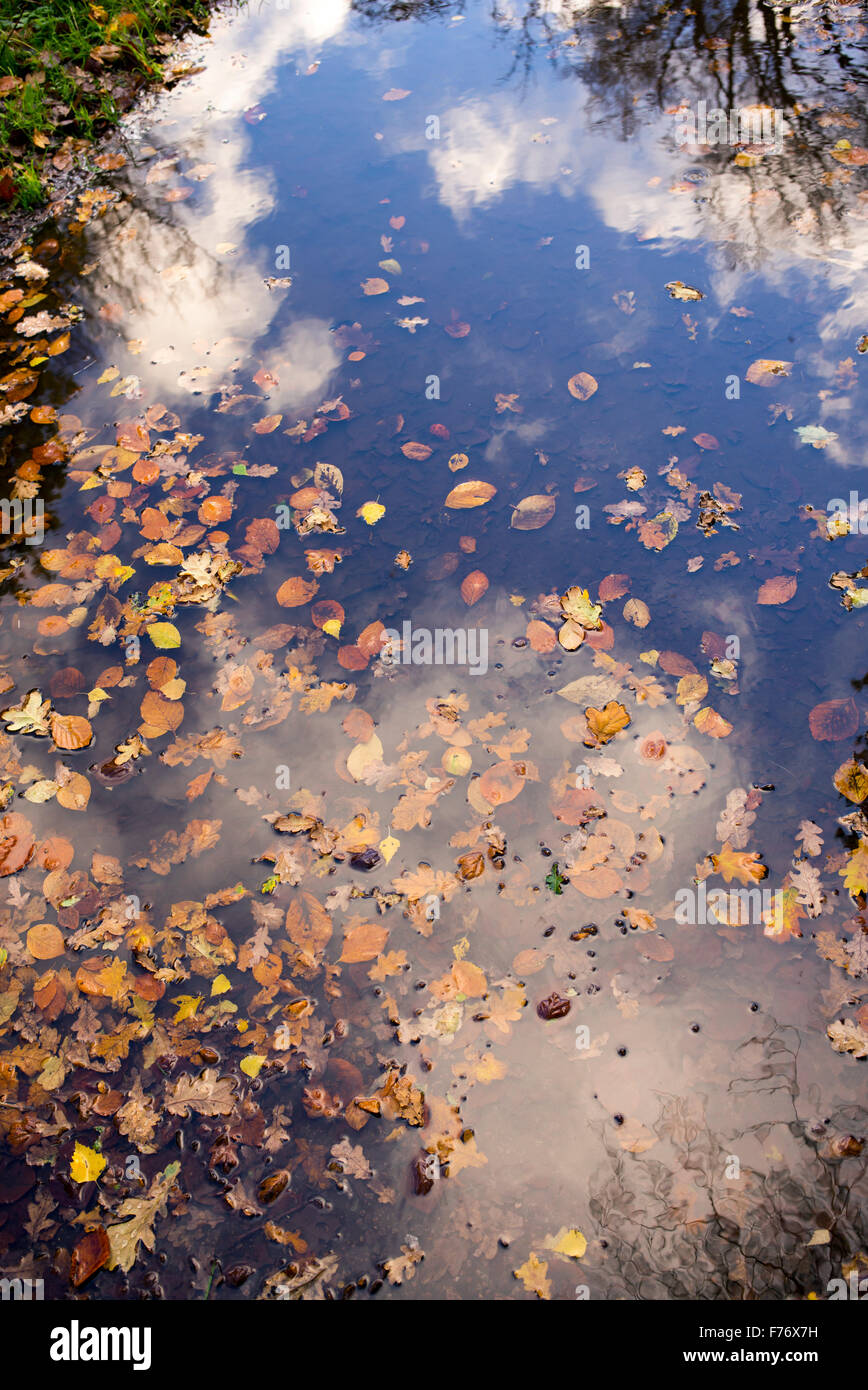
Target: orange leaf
[582,386]
[604,723]
[420,452]
[267,425]
[364,942]
[542,638]
[709,722]
[779,589]
[470,494]
[215,509]
[834,719]
[296,591]
[45,941]
[740,864]
[473,587]
[70,731]
[500,784]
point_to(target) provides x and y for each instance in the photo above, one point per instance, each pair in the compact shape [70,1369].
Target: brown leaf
[473,587]
[16,843]
[604,723]
[581,386]
[834,719]
[542,638]
[779,589]
[88,1255]
[45,941]
[533,512]
[364,942]
[500,784]
[470,494]
[419,452]
[296,591]
[70,731]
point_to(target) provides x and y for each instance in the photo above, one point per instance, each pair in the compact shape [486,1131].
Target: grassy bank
[68,69]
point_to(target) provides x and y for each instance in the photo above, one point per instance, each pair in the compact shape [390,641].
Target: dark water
[518,170]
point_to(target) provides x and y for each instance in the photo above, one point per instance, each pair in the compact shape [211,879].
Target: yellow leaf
[691,688]
[363,755]
[604,723]
[86,1164]
[576,605]
[388,847]
[371,512]
[740,864]
[332,626]
[851,779]
[709,722]
[568,1241]
[252,1065]
[220,984]
[164,635]
[533,1275]
[855,873]
[187,1006]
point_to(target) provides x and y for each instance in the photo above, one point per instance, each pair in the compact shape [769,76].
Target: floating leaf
[767,370]
[779,589]
[86,1164]
[851,779]
[709,722]
[532,512]
[473,587]
[678,290]
[416,451]
[470,494]
[833,720]
[582,386]
[70,731]
[370,512]
[295,592]
[604,723]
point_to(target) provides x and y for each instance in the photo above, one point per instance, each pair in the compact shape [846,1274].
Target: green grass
[30,193]
[71,84]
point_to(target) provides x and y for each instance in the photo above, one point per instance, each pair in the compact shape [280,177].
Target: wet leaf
[295,592]
[533,1276]
[470,494]
[418,452]
[45,941]
[86,1164]
[473,586]
[582,386]
[604,723]
[833,720]
[851,779]
[364,942]
[532,512]
[779,589]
